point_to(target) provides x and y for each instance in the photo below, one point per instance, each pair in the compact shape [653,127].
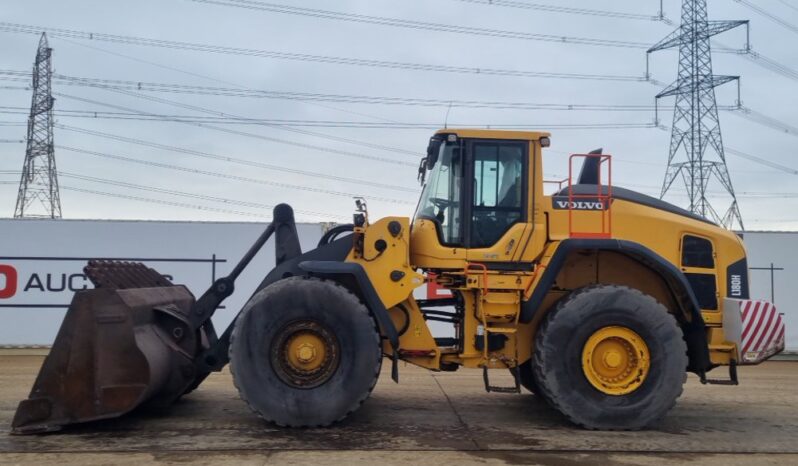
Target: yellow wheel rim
[615,360]
[305,351]
[304,354]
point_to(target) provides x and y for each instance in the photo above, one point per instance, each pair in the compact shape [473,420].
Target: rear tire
[568,381]
[305,352]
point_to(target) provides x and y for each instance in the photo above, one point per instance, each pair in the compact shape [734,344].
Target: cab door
[497,199]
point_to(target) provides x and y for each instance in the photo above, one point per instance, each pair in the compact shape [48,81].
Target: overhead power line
[120,85]
[195,171]
[303,57]
[141,86]
[761,11]
[227,211]
[325,149]
[745,194]
[771,64]
[222,114]
[214,79]
[419,25]
[764,120]
[20,75]
[788,4]
[166,202]
[153,189]
[94,114]
[758,59]
[568,10]
[203,76]
[260,181]
[65,34]
[163,202]
[762,161]
[753,158]
[227,159]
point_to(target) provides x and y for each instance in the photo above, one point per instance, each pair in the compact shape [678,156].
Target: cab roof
[494,133]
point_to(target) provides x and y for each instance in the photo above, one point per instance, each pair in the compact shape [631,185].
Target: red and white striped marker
[763,331]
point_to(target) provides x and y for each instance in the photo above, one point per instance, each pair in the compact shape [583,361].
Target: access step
[490,388]
[504,330]
[732,377]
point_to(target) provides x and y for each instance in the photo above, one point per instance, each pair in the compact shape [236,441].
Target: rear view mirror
[433,149]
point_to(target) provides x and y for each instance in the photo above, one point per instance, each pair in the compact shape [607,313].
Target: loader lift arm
[283,226]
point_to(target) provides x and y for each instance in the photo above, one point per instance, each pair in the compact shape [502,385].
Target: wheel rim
[615,360]
[305,354]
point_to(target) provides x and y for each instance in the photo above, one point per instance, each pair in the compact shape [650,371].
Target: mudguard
[365,290]
[694,330]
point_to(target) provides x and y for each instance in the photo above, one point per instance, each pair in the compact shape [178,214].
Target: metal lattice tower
[38,188]
[696,126]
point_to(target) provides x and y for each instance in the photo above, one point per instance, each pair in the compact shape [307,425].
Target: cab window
[440,199]
[498,190]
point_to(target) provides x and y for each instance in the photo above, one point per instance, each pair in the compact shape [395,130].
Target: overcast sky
[768,197]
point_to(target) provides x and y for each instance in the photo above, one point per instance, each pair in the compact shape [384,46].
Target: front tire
[611,358]
[526,377]
[305,352]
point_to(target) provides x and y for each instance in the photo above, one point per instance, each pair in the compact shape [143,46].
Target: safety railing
[598,202]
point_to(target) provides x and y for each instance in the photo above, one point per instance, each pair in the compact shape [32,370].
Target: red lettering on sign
[10,288]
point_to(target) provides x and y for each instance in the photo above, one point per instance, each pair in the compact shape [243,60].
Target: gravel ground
[429,418]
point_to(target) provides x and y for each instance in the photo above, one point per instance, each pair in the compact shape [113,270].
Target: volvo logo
[579,205]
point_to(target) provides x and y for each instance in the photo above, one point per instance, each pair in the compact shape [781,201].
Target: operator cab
[477,188]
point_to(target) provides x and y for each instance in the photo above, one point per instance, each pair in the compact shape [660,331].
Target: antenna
[446,120]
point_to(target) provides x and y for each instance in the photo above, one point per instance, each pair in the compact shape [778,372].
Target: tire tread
[345,293]
[544,345]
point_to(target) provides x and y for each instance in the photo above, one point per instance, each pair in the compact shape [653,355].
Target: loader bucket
[123,344]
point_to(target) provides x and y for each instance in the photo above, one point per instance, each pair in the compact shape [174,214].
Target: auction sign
[49,282]
[42,261]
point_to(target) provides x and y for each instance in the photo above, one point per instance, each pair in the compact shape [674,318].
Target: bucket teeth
[122,275]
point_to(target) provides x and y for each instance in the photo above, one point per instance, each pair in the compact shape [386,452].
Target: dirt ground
[429,418]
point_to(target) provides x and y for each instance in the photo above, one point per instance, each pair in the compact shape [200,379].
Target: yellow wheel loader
[596,298]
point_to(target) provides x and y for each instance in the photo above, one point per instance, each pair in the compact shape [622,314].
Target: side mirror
[422,171]
[433,149]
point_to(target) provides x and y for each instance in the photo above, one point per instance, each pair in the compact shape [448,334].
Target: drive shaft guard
[123,344]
